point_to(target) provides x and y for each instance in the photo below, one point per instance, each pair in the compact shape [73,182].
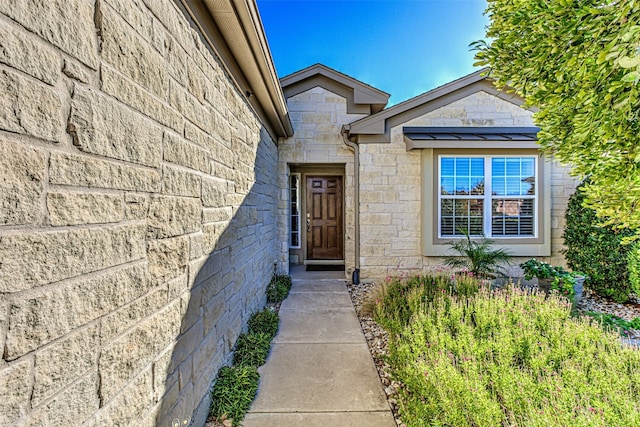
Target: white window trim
[299,176]
[487,197]
[432,246]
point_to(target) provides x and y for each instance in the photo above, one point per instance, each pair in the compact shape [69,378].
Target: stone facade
[137,213]
[317,116]
[392,209]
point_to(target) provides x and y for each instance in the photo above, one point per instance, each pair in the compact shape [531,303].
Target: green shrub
[633,267]
[399,298]
[252,349]
[514,358]
[596,250]
[265,321]
[233,392]
[278,288]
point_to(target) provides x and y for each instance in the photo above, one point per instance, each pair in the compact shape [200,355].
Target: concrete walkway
[319,371]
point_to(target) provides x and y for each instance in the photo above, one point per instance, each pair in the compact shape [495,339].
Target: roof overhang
[377,127]
[234,31]
[470,137]
[361,98]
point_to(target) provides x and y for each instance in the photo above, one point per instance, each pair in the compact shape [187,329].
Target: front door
[324,217]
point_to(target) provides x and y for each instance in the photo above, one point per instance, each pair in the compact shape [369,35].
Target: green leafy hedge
[596,250]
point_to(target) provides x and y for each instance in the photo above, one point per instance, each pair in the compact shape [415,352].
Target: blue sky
[403,47]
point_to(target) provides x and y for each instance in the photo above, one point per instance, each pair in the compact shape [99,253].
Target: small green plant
[233,392]
[265,321]
[477,256]
[561,280]
[278,289]
[616,323]
[252,349]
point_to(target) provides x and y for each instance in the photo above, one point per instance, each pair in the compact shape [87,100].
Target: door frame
[317,170]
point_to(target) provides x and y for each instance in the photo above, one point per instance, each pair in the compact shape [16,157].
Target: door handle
[308,224]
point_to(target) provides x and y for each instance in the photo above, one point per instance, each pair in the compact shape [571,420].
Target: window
[487,195]
[294,210]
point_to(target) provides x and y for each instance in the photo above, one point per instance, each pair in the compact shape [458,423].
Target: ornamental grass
[504,358]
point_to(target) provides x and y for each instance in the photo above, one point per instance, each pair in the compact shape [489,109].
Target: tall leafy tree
[578,61]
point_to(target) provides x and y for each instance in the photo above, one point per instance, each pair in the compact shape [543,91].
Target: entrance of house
[324,218]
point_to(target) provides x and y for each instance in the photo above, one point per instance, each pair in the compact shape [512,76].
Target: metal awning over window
[470,137]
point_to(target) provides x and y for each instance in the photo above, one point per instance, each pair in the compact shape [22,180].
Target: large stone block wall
[137,213]
[317,116]
[391,190]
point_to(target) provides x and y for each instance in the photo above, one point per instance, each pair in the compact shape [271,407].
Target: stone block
[179,182]
[43,62]
[74,71]
[196,81]
[29,108]
[136,14]
[136,206]
[217,214]
[84,208]
[212,311]
[99,125]
[33,259]
[167,258]
[42,318]
[190,306]
[162,373]
[131,353]
[173,216]
[116,323]
[176,59]
[188,342]
[179,151]
[135,96]
[71,169]
[128,406]
[204,140]
[205,271]
[21,183]
[214,192]
[191,108]
[61,363]
[71,407]
[131,54]
[167,13]
[69,25]
[15,389]
[177,287]
[195,246]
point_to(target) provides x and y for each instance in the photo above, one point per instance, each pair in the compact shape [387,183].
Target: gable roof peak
[359,93]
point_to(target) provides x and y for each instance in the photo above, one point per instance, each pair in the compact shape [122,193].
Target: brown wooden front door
[324,217]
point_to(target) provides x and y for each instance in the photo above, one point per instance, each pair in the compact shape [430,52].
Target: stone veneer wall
[137,213]
[390,188]
[317,116]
